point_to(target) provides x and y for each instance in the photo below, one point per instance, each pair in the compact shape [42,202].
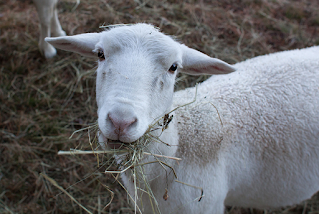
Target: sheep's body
[250,139]
[260,149]
[268,146]
[49,24]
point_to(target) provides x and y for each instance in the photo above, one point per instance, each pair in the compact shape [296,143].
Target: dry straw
[131,156]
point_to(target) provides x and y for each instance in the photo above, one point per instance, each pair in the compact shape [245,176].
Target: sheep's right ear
[83,44]
[197,63]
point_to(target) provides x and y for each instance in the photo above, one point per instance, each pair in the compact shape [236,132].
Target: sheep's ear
[83,44]
[197,63]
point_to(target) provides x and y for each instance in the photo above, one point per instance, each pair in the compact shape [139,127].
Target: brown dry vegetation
[44,101]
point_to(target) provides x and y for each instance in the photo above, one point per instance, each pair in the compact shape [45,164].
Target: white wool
[250,139]
[267,148]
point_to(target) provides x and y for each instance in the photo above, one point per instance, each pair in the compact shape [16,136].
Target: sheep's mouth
[116,144]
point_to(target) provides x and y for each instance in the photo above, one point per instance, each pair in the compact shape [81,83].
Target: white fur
[49,24]
[249,140]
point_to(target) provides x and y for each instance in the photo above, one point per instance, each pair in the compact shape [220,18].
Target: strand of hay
[116,178]
[112,195]
[202,191]
[54,183]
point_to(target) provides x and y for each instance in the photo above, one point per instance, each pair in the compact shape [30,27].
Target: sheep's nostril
[121,125]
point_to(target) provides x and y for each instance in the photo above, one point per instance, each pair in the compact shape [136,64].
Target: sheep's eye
[100,54]
[173,68]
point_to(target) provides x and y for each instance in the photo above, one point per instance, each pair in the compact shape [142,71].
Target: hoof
[49,51]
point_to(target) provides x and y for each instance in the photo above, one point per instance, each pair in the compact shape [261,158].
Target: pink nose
[122,124]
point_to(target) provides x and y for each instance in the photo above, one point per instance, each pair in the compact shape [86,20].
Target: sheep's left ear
[197,63]
[83,44]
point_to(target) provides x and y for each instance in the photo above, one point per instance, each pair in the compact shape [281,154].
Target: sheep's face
[135,81]
[135,76]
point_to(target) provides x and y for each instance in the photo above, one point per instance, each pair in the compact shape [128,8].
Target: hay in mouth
[131,156]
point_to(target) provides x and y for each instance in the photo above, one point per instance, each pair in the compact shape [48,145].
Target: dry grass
[44,101]
[130,157]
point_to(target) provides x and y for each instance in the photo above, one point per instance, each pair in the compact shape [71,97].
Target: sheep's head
[137,66]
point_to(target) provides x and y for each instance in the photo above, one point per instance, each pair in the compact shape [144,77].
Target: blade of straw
[54,183]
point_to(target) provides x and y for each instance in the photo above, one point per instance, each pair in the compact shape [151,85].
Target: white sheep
[49,23]
[250,139]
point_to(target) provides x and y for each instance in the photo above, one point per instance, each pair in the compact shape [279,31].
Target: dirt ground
[43,101]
